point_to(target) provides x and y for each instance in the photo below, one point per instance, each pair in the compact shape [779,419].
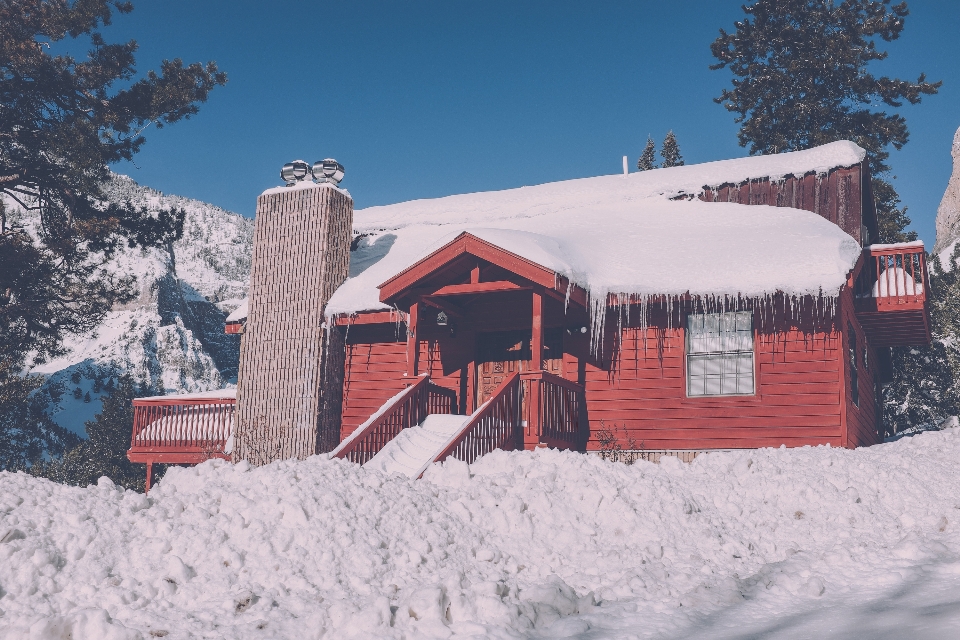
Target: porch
[182,429]
[890,285]
[487,325]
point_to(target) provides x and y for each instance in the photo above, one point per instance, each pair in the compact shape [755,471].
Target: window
[720,354]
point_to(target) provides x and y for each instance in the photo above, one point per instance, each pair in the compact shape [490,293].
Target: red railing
[555,409]
[181,430]
[495,425]
[407,409]
[892,276]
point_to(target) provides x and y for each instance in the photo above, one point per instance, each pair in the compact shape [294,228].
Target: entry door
[501,353]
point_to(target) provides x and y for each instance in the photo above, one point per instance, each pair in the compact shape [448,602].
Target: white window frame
[720,362]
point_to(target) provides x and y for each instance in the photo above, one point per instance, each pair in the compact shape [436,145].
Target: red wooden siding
[376,364]
[374,368]
[642,396]
[861,422]
[836,196]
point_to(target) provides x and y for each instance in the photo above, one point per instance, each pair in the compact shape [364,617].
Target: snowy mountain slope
[772,543]
[171,337]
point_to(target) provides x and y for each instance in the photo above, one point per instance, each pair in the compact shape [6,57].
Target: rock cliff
[172,337]
[948,214]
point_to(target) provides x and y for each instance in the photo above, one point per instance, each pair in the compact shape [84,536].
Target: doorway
[500,353]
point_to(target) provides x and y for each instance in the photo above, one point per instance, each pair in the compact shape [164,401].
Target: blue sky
[425,99]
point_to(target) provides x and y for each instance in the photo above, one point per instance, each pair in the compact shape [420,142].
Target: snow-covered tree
[801,79]
[27,434]
[63,121]
[671,151]
[926,384]
[104,453]
[648,159]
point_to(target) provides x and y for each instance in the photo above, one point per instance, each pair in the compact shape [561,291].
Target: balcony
[890,294]
[185,429]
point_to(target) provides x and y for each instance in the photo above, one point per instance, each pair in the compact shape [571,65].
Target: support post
[149,477]
[536,342]
[413,341]
[532,433]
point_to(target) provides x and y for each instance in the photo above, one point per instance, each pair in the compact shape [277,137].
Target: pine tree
[671,151]
[63,121]
[27,434]
[104,453]
[924,390]
[647,159]
[801,79]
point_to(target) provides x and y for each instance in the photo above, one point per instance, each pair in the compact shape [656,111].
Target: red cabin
[755,323]
[728,305]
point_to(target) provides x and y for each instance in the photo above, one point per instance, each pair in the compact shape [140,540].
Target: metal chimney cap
[328,170]
[295,171]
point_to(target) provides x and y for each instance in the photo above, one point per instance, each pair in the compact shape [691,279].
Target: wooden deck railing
[890,285]
[495,425]
[555,408]
[406,409]
[181,430]
[892,277]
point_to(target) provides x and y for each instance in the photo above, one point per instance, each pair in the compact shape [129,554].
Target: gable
[469,265]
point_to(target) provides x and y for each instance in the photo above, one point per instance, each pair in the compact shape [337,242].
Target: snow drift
[774,543]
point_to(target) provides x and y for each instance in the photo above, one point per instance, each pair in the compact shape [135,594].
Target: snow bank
[774,543]
[646,247]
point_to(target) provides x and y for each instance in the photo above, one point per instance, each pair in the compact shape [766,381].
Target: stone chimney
[287,394]
[948,214]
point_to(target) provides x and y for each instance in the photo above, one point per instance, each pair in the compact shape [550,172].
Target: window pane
[745,383]
[728,385]
[695,366]
[695,385]
[729,364]
[711,364]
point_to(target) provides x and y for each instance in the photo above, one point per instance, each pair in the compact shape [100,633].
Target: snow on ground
[413,449]
[773,543]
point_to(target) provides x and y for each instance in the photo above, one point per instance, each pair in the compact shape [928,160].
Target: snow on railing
[893,275]
[194,426]
[406,409]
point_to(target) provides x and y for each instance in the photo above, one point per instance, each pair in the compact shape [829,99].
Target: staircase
[418,427]
[414,449]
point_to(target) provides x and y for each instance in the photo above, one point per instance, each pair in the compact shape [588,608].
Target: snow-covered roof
[240,313]
[586,193]
[623,235]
